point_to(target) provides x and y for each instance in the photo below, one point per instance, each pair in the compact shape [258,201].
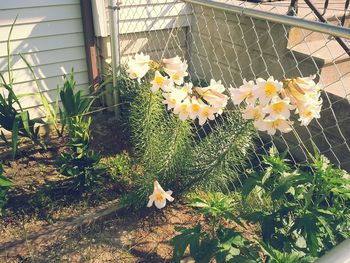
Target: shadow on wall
[232,47]
[51,40]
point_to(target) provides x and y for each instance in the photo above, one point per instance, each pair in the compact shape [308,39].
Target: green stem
[213,227]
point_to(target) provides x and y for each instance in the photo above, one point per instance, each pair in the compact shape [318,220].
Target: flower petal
[150,202]
[160,204]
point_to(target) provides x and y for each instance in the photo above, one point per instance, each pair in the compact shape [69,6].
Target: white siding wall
[145,26]
[142,15]
[49,34]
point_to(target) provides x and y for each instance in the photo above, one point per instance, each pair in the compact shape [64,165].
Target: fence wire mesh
[229,46]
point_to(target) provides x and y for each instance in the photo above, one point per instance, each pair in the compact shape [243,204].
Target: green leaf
[188,237]
[268,226]
[5,182]
[14,141]
[248,186]
[308,196]
[267,175]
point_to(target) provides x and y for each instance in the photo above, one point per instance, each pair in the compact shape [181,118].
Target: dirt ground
[42,197]
[137,237]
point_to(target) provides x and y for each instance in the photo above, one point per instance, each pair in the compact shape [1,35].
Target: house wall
[49,35]
[231,47]
[153,27]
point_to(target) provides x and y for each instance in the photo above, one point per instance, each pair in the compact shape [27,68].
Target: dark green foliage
[216,206]
[80,162]
[218,159]
[165,146]
[167,166]
[275,256]
[148,127]
[177,154]
[13,117]
[5,184]
[73,102]
[219,243]
[306,208]
[161,142]
[120,168]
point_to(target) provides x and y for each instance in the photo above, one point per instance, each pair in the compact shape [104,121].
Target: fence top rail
[332,30]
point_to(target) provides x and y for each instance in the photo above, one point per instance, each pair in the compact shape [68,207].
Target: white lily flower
[300,89]
[138,66]
[206,112]
[176,76]
[279,124]
[213,94]
[308,113]
[160,82]
[176,69]
[243,93]
[187,87]
[194,108]
[137,72]
[265,90]
[279,108]
[182,109]
[216,85]
[174,97]
[260,125]
[175,64]
[159,196]
[255,113]
[139,59]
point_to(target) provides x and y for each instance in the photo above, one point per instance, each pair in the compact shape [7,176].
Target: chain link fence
[226,40]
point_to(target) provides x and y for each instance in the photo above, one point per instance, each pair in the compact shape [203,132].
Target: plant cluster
[165,144]
[74,103]
[215,240]
[121,169]
[79,162]
[269,102]
[302,212]
[5,184]
[186,100]
[213,162]
[306,208]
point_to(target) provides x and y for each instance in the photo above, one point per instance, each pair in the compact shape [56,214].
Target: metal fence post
[114,7]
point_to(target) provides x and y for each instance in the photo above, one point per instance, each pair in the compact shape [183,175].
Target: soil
[128,237]
[42,197]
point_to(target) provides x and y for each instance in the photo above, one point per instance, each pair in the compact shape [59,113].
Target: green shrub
[5,184]
[215,241]
[80,162]
[121,169]
[161,142]
[275,256]
[171,152]
[218,160]
[306,208]
[74,104]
